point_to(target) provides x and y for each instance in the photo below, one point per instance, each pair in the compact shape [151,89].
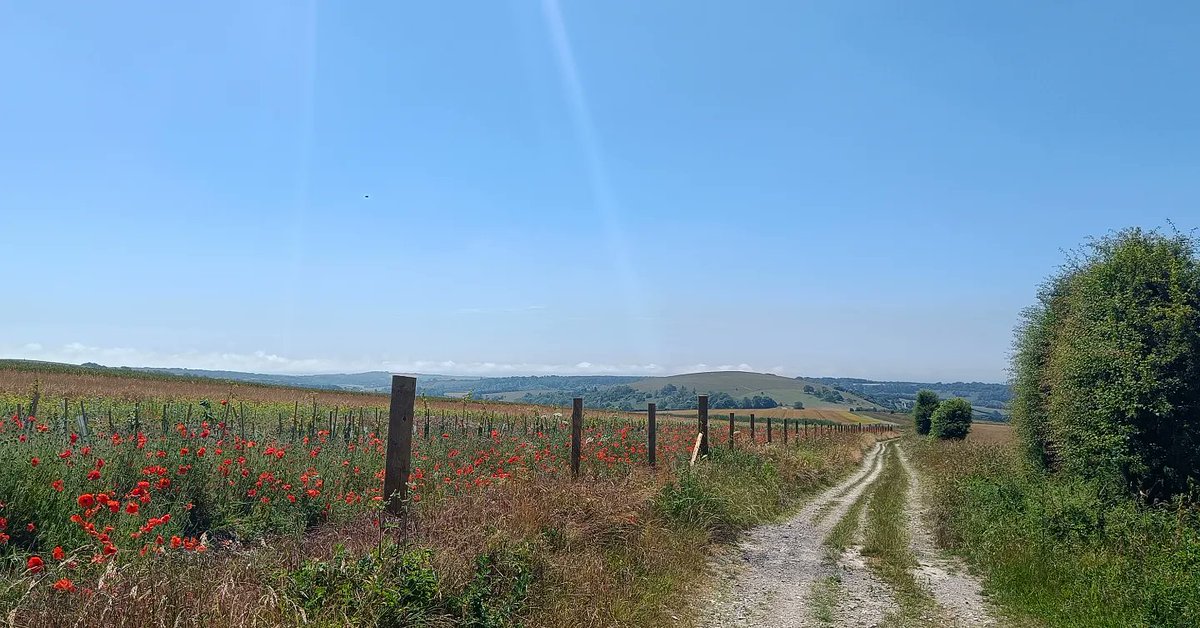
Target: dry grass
[603,560]
[991,433]
[130,387]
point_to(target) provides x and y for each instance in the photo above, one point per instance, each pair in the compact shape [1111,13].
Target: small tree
[927,402]
[798,405]
[952,419]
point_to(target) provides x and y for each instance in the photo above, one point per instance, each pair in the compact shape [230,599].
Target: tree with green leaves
[951,419]
[1106,366]
[927,402]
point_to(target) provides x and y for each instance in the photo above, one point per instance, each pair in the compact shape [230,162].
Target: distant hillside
[987,398]
[371,381]
[726,389]
[741,384]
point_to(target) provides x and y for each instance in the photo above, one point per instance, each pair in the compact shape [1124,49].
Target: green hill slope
[740,384]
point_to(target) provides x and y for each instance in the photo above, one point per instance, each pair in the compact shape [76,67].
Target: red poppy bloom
[93,475]
[64,585]
[86,500]
[34,461]
[34,564]
[58,553]
[132,508]
[57,485]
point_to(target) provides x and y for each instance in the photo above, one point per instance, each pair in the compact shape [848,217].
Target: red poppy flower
[64,585]
[34,461]
[34,564]
[57,485]
[86,500]
[132,508]
[58,553]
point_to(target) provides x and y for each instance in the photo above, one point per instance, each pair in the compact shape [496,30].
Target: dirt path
[956,591]
[788,576]
[782,562]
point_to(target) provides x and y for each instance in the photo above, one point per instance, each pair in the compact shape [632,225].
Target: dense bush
[1106,368]
[927,402]
[951,419]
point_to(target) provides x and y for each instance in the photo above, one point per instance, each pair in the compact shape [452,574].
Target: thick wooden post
[731,430]
[651,431]
[785,430]
[702,423]
[399,443]
[752,436]
[576,434]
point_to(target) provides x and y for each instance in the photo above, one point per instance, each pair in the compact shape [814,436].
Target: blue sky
[821,188]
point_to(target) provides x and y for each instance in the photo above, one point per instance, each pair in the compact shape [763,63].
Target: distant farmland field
[809,414]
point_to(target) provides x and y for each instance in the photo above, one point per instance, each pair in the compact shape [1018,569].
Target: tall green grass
[1064,551]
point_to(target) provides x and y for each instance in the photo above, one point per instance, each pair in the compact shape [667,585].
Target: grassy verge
[1063,552]
[601,552]
[887,543]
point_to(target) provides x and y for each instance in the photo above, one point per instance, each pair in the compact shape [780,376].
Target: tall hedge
[927,402]
[951,419]
[1106,366]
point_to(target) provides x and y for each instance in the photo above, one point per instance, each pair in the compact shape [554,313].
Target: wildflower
[86,500]
[34,461]
[34,564]
[58,553]
[93,475]
[64,585]
[132,508]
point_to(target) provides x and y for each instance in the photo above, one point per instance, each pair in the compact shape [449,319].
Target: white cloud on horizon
[266,362]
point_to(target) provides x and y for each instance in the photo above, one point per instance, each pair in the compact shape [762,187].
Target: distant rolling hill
[727,389]
[740,384]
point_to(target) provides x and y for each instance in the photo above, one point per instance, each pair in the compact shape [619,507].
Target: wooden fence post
[731,430]
[576,434]
[785,430]
[702,423]
[399,443]
[752,437]
[651,431]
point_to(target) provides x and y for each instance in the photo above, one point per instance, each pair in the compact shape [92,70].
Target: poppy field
[94,491]
[77,495]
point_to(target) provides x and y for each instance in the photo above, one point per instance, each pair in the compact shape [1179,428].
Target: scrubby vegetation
[951,419]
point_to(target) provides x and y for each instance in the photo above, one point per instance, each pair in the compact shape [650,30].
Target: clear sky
[823,188]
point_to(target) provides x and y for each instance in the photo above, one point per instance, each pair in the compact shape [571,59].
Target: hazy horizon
[500,370]
[866,191]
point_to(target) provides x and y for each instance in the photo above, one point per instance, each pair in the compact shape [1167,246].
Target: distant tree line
[902,395]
